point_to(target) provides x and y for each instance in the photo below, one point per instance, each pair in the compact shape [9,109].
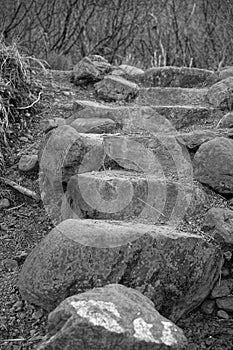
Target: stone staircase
[113,171]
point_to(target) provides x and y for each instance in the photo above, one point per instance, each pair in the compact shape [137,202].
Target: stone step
[127,195]
[177,77]
[160,96]
[176,270]
[129,118]
[183,116]
[161,155]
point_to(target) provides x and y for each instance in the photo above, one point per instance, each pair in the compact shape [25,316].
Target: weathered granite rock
[95,125]
[176,270]
[90,69]
[213,164]
[176,77]
[28,163]
[115,88]
[219,224]
[158,96]
[220,94]
[65,152]
[226,121]
[104,317]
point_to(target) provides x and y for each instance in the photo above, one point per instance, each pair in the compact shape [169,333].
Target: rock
[185,116]
[222,288]
[131,70]
[208,307]
[219,224]
[158,153]
[176,77]
[194,139]
[49,124]
[177,116]
[28,163]
[94,125]
[160,96]
[220,94]
[4,203]
[65,152]
[124,195]
[225,303]
[226,121]
[223,314]
[213,164]
[176,270]
[115,88]
[197,203]
[89,70]
[102,316]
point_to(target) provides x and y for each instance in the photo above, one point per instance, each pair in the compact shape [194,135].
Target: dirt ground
[25,223]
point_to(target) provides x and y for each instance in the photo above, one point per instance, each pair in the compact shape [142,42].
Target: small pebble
[208,306]
[4,203]
[223,314]
[28,162]
[10,264]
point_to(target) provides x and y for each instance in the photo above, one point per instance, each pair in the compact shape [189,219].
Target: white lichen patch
[167,336]
[99,313]
[142,330]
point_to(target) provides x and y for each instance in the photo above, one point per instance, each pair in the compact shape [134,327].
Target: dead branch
[33,103]
[21,189]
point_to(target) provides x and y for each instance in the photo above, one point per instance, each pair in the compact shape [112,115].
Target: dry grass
[17,90]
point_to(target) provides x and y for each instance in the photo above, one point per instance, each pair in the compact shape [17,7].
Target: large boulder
[115,88]
[105,317]
[64,152]
[213,164]
[220,94]
[176,270]
[176,77]
[90,69]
